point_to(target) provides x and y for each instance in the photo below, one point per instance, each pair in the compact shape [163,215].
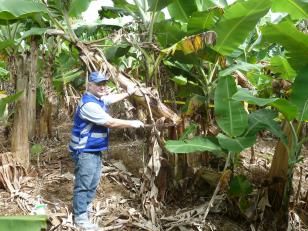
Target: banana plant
[287,153]
[286,157]
[234,29]
[23,23]
[232,38]
[167,32]
[238,131]
[145,14]
[15,18]
[221,21]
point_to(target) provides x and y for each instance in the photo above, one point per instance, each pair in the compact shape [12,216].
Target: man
[89,138]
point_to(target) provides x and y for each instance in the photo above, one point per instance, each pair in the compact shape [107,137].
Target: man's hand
[131,89]
[136,123]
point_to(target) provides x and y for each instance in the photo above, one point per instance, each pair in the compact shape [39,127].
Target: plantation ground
[117,205]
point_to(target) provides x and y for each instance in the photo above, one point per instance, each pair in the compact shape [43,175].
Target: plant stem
[157,63]
[15,29]
[141,11]
[301,118]
[216,190]
[294,140]
[71,33]
[52,17]
[153,18]
[8,30]
[203,74]
[213,71]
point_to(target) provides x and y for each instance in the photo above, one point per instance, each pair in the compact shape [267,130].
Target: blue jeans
[88,168]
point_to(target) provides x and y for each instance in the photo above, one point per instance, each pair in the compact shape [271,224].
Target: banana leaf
[260,81]
[288,109]
[240,66]
[78,6]
[40,96]
[240,186]
[203,5]
[156,5]
[189,90]
[196,144]
[6,43]
[15,9]
[179,80]
[264,119]
[178,68]
[182,9]
[168,32]
[280,65]
[24,223]
[7,100]
[130,8]
[297,9]
[236,144]
[230,114]
[294,41]
[3,72]
[68,76]
[299,95]
[237,22]
[200,21]
[112,12]
[189,130]
[116,51]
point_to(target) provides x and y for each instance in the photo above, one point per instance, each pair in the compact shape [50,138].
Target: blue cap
[97,77]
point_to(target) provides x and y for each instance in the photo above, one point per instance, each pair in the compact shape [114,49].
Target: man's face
[98,89]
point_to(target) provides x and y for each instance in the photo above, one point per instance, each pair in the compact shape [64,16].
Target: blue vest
[87,136]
